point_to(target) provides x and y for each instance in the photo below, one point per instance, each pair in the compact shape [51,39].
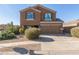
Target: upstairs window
[47,17]
[30,16]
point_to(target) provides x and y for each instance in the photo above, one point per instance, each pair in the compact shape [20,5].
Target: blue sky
[10,12]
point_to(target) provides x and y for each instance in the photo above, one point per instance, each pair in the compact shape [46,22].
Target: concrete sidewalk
[14,44]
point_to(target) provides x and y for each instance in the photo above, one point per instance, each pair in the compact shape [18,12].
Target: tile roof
[3,26]
[71,23]
[30,8]
[58,19]
[38,5]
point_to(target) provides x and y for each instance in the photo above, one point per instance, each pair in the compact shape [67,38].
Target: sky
[11,12]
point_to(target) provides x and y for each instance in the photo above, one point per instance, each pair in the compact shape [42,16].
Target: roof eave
[30,8]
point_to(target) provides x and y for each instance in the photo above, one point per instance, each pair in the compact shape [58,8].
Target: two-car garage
[51,27]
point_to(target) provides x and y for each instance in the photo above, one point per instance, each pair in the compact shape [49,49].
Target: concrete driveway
[60,44]
[60,37]
[56,45]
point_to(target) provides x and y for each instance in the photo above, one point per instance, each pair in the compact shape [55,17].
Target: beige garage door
[49,29]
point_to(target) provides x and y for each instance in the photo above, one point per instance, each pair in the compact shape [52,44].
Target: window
[30,16]
[47,16]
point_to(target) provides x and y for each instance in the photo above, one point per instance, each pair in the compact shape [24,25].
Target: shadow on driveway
[65,35]
[20,50]
[44,39]
[24,51]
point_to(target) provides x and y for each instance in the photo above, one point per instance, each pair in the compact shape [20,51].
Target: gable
[38,8]
[43,8]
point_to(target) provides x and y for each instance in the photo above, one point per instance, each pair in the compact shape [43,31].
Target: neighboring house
[2,27]
[67,26]
[41,17]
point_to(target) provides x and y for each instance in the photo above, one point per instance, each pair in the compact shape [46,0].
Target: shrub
[11,36]
[32,33]
[75,32]
[16,30]
[10,27]
[21,30]
[3,35]
[6,35]
[13,29]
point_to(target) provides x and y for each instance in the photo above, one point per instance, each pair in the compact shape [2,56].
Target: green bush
[13,29]
[11,36]
[32,33]
[6,35]
[2,35]
[10,27]
[75,32]
[21,30]
[16,30]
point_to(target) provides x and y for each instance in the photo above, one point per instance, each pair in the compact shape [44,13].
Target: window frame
[44,17]
[28,14]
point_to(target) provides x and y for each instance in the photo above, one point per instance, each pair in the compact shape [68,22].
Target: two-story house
[41,17]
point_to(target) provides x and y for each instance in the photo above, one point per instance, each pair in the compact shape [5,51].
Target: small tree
[10,27]
[13,29]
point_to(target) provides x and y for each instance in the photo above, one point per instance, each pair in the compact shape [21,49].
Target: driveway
[60,37]
[60,44]
[55,45]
